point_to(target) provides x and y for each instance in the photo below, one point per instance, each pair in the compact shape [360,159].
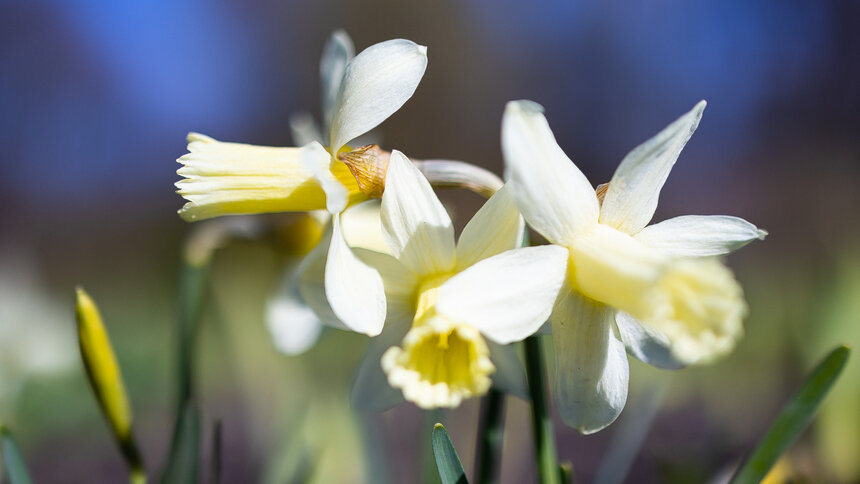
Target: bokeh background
[96,99]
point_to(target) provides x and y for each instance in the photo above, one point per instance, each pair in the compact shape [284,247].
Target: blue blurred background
[96,99]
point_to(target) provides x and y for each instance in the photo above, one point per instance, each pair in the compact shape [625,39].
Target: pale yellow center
[441,362]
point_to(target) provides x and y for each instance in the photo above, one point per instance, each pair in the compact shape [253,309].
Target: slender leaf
[184,450]
[794,418]
[215,471]
[13,461]
[447,461]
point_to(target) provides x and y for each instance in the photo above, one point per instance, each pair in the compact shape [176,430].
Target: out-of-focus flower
[231,178]
[35,337]
[444,298]
[656,290]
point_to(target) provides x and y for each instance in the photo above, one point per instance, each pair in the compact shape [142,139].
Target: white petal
[496,227]
[509,376]
[312,282]
[317,160]
[400,282]
[591,366]
[362,226]
[338,51]
[376,83]
[414,222]
[293,325]
[631,198]
[353,289]
[553,195]
[646,344]
[304,129]
[370,389]
[700,235]
[508,296]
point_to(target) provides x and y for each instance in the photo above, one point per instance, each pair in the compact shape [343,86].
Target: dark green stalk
[491,431]
[547,461]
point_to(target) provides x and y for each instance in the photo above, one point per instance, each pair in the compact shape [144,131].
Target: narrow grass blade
[447,461]
[215,471]
[13,461]
[184,450]
[794,418]
[106,380]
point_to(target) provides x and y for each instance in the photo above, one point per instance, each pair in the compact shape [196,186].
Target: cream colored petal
[362,226]
[591,365]
[508,296]
[354,290]
[375,84]
[700,235]
[370,389]
[554,197]
[338,51]
[414,222]
[304,129]
[509,376]
[646,344]
[631,198]
[496,227]
[312,282]
[317,161]
[293,325]
[400,282]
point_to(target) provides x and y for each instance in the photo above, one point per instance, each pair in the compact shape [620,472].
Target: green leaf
[794,418]
[184,450]
[13,461]
[447,461]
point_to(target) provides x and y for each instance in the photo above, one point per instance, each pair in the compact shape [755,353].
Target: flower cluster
[443,313]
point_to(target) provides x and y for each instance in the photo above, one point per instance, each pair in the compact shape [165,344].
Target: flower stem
[458,174]
[491,430]
[547,461]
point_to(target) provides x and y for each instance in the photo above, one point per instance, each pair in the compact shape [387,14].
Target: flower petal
[646,344]
[312,282]
[353,289]
[414,222]
[317,160]
[304,129]
[631,198]
[293,325]
[591,369]
[496,227]
[338,51]
[508,296]
[700,235]
[362,226]
[509,376]
[553,195]
[375,84]
[370,389]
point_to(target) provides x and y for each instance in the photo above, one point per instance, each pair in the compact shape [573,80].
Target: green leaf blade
[447,461]
[13,460]
[794,418]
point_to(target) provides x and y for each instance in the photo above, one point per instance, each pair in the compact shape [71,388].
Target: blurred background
[96,99]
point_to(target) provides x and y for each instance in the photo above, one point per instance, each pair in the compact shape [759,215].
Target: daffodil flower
[450,307]
[656,290]
[232,178]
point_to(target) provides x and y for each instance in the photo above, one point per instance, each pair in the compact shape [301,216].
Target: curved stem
[459,174]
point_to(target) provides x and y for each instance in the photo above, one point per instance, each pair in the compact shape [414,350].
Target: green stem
[547,461]
[192,287]
[491,431]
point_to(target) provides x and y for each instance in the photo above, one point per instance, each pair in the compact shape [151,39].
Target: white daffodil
[232,178]
[657,290]
[450,306]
